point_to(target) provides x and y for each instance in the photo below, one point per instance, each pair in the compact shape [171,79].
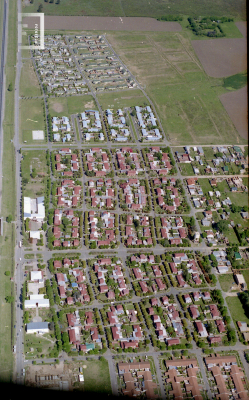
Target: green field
[226,281]
[29,84]
[185,97]
[236,310]
[239,199]
[141,8]
[235,81]
[65,106]
[97,377]
[31,118]
[128,98]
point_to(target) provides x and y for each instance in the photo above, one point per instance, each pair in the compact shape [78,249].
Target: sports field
[31,118]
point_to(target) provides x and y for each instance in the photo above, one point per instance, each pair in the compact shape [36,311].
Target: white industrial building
[36,300]
[34,209]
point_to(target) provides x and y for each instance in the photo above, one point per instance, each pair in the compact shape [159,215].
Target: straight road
[19,254]
[3,86]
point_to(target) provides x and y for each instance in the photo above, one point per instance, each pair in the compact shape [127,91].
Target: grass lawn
[232,236]
[128,98]
[186,169]
[31,118]
[236,310]
[97,377]
[29,84]
[65,106]
[140,8]
[226,281]
[37,342]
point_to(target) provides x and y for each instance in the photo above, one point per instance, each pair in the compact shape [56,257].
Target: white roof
[36,275]
[34,234]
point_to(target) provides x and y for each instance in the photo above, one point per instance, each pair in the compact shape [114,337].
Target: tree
[7,273]
[9,218]
[9,299]
[10,87]
[222,226]
[33,173]
[40,8]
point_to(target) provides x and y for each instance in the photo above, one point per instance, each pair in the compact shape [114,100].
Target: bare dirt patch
[242,26]
[222,57]
[57,107]
[105,24]
[236,106]
[90,105]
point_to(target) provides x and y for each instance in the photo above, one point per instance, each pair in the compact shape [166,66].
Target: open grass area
[246,276]
[236,309]
[31,119]
[34,159]
[226,281]
[144,8]
[185,97]
[29,84]
[235,81]
[97,377]
[239,199]
[65,106]
[128,98]
[205,185]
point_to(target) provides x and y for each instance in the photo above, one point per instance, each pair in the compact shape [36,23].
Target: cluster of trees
[170,18]
[201,28]
[244,298]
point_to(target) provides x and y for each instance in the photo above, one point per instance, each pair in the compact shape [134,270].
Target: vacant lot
[34,160]
[226,282]
[222,57]
[144,8]
[236,105]
[31,118]
[185,98]
[236,309]
[128,98]
[29,84]
[65,106]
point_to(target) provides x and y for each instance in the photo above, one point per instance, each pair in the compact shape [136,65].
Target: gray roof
[37,325]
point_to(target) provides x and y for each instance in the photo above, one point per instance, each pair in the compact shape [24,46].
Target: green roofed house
[225,169]
[237,256]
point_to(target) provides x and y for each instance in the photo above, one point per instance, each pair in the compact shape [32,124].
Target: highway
[3,86]
[19,274]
